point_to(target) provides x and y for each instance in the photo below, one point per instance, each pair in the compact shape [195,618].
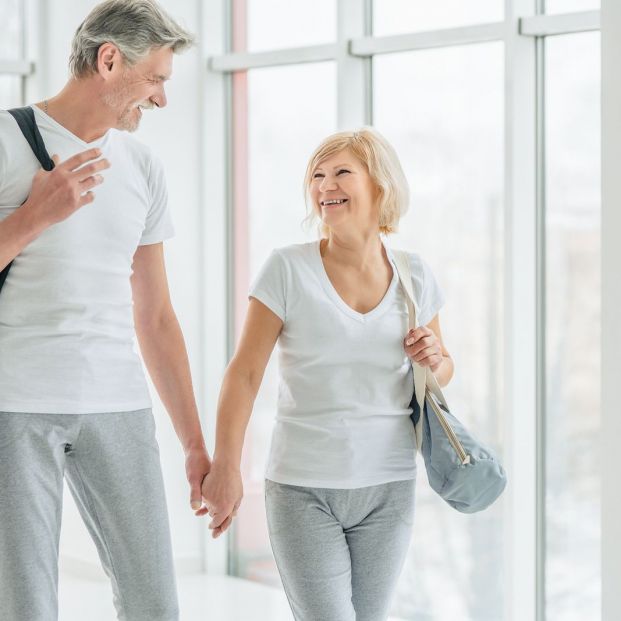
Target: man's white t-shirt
[67,340]
[343,417]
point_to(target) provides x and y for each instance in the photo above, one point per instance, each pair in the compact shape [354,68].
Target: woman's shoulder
[295,252]
[418,266]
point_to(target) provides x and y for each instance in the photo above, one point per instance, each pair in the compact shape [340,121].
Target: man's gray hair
[134,26]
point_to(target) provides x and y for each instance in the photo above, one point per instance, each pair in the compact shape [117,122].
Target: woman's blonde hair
[382,163]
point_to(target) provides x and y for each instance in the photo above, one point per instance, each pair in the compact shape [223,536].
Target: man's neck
[79,109]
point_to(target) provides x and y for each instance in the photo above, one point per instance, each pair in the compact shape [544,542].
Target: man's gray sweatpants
[111,463]
[339,552]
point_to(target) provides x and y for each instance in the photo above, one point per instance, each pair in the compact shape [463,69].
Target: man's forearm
[17,230]
[163,350]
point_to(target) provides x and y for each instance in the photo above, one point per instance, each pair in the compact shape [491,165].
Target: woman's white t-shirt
[345,387]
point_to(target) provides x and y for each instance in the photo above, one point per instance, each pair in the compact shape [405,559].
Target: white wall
[611,303]
[174,135]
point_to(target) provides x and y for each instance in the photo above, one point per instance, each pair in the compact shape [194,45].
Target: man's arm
[163,349]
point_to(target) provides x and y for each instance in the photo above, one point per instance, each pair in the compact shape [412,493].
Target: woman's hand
[424,347]
[222,492]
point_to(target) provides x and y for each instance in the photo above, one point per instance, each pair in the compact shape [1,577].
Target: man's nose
[160,99]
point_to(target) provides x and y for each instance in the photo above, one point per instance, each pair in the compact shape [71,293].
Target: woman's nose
[327,183]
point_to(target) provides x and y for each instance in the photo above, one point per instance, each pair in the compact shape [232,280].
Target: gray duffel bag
[462,470]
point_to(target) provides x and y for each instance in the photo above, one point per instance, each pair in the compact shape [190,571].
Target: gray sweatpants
[111,463]
[340,551]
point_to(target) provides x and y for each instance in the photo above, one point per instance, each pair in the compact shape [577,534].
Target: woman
[340,480]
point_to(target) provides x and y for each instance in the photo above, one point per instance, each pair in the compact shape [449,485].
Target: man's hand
[58,193]
[197,467]
[222,493]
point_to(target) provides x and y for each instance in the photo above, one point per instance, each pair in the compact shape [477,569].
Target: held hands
[222,492]
[423,347]
[58,193]
[197,467]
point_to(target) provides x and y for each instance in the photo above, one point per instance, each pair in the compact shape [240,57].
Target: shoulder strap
[25,119]
[425,382]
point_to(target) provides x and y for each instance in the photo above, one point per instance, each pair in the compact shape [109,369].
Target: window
[441,98]
[572,326]
[447,126]
[391,17]
[274,24]
[285,124]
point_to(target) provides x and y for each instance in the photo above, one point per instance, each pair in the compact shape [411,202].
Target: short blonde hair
[382,163]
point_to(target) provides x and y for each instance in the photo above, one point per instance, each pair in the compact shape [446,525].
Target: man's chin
[129,122]
[128,125]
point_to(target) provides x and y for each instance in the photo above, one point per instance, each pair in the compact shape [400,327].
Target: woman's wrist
[225,463]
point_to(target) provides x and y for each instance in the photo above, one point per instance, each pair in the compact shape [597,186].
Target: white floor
[201,598]
[213,598]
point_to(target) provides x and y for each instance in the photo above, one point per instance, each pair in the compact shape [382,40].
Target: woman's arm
[222,488]
[425,346]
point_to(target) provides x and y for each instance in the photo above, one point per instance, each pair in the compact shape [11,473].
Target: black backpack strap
[26,120]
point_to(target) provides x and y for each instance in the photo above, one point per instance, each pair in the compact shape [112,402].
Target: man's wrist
[29,225]
[194,445]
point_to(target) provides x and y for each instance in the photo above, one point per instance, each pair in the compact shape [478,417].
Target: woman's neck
[357,251]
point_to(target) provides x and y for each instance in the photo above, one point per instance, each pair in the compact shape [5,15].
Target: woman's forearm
[444,372]
[234,409]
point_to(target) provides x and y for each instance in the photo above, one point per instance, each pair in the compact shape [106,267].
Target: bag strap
[25,119]
[424,380]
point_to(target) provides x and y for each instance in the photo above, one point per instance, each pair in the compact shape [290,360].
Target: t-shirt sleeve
[270,287]
[158,225]
[427,290]
[4,158]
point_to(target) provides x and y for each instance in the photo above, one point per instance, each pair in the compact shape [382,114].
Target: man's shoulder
[132,145]
[9,130]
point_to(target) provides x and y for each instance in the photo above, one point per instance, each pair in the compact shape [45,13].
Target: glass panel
[10,91]
[573,245]
[400,16]
[567,6]
[279,145]
[275,24]
[10,18]
[447,126]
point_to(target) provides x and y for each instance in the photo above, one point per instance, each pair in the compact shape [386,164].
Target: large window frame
[523,32]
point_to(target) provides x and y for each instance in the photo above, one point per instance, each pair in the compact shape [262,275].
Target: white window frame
[522,32]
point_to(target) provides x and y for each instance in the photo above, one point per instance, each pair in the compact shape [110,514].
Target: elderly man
[83,242]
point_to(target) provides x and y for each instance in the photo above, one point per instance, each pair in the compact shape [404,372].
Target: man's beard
[128,120]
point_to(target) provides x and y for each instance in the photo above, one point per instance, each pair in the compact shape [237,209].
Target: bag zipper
[450,434]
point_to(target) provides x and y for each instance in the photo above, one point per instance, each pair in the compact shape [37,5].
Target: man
[86,241]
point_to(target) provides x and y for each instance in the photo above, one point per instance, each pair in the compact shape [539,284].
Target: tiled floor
[213,598]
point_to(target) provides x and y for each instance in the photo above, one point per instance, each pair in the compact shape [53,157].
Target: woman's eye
[317,175]
[342,171]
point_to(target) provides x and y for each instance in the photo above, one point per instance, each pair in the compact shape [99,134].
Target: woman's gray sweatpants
[340,551]
[111,463]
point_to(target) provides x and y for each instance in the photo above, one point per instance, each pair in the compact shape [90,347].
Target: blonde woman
[340,481]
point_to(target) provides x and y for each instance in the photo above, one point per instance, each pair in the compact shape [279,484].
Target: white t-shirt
[345,381]
[67,340]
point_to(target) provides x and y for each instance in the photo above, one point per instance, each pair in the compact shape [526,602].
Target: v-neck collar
[338,300]
[53,122]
